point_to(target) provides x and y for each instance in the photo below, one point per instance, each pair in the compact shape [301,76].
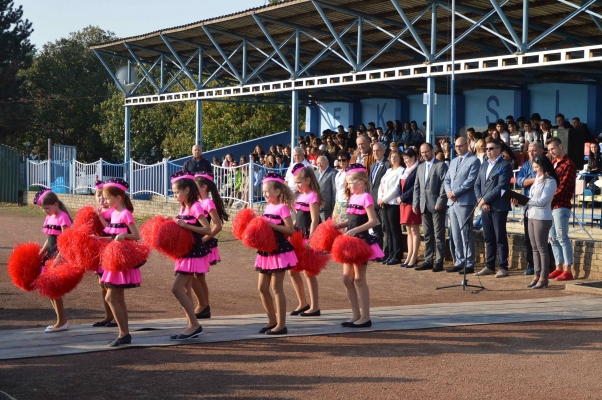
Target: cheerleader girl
[361,216]
[271,266]
[307,207]
[122,227]
[197,261]
[57,220]
[104,215]
[214,210]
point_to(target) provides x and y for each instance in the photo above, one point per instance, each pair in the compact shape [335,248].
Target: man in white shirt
[298,158]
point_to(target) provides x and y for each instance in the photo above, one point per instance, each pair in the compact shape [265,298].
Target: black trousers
[393,231]
[528,242]
[496,238]
[378,230]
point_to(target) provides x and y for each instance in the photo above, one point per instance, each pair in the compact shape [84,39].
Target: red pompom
[59,278]
[123,256]
[81,249]
[150,230]
[308,260]
[350,250]
[173,240]
[241,222]
[324,236]
[260,236]
[24,265]
[87,218]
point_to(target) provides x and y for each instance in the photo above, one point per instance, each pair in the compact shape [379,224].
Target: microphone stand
[464,284]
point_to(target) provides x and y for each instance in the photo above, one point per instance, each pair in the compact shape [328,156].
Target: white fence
[238,186]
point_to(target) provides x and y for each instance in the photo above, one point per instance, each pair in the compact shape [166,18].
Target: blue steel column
[525,37]
[452,115]
[430,82]
[294,117]
[199,123]
[126,148]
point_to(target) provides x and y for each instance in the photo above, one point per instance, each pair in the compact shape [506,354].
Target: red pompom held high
[87,218]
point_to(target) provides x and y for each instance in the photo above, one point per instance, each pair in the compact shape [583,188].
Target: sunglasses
[491,148]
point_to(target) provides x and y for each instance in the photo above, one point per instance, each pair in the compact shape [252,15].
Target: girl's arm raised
[372,222]
[217,225]
[287,229]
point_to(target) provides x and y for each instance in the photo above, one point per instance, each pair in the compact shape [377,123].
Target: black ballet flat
[311,314]
[366,324]
[205,314]
[282,331]
[127,339]
[297,312]
[192,336]
[111,324]
[99,324]
[265,329]
[346,324]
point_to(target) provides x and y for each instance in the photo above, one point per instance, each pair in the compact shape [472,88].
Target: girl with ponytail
[213,207]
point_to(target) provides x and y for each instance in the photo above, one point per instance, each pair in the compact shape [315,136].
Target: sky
[54,19]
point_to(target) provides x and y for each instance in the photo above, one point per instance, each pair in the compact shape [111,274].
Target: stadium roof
[300,39]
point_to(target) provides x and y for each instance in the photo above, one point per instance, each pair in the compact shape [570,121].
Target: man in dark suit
[376,172]
[430,200]
[494,178]
[325,175]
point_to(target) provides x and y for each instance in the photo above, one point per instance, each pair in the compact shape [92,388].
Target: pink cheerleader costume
[303,220]
[284,257]
[120,220]
[106,215]
[53,228]
[356,216]
[211,244]
[196,262]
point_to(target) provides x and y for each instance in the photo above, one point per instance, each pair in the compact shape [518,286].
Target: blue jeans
[561,244]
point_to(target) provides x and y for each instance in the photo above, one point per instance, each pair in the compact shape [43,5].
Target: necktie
[459,163]
[428,170]
[376,166]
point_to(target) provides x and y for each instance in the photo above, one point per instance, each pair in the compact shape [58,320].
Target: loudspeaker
[573,141]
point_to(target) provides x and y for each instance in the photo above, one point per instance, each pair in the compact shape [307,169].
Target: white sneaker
[485,271]
[501,273]
[50,329]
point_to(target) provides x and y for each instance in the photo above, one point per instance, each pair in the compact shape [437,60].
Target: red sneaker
[555,274]
[565,276]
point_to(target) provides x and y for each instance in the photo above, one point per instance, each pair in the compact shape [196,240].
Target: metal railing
[238,186]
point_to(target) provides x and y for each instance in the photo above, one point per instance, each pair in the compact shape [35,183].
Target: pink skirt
[193,265]
[214,256]
[99,271]
[376,252]
[128,279]
[276,262]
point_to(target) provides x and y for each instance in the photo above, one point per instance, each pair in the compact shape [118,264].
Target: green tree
[16,54]
[168,130]
[65,84]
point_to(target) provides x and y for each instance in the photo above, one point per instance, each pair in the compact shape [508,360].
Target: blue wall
[245,148]
[475,108]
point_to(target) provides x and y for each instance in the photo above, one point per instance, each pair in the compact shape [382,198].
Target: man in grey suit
[494,178]
[459,186]
[430,200]
[375,173]
[326,174]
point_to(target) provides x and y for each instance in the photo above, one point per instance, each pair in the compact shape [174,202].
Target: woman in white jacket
[539,211]
[387,195]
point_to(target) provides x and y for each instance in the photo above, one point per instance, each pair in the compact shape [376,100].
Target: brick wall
[587,254]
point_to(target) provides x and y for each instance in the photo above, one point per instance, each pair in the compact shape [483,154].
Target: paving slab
[34,342]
